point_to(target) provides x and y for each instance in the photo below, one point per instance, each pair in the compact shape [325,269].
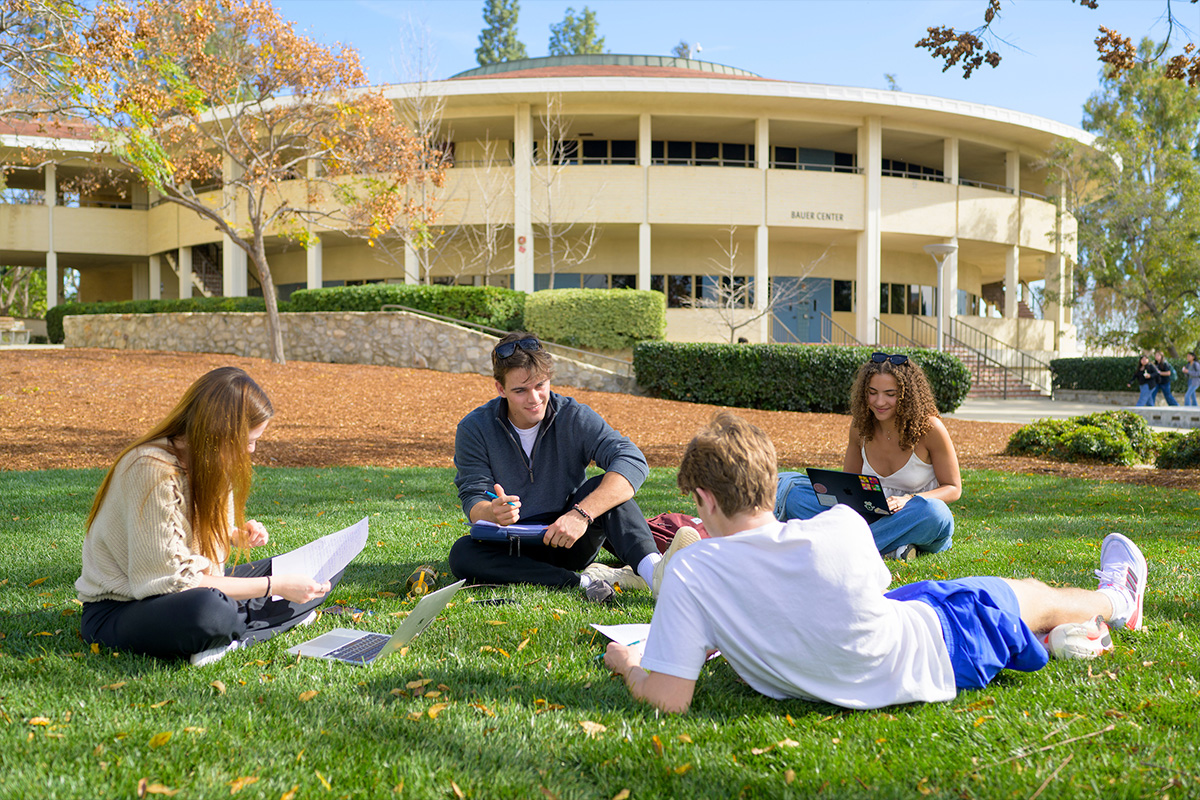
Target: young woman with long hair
[167,517]
[896,435]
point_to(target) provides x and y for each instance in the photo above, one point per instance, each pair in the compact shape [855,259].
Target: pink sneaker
[1122,577]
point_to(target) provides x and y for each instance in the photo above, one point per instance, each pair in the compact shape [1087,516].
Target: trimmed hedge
[1109,437]
[1179,451]
[779,377]
[1105,374]
[483,305]
[600,319]
[54,316]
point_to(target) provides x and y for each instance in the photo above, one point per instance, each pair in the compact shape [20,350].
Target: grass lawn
[508,701]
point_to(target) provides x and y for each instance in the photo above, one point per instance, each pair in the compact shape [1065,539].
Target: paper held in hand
[325,557]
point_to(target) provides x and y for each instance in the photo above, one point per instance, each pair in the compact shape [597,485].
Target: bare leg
[1044,607]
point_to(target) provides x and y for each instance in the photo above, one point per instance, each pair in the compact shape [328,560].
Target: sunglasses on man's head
[897,359]
[508,348]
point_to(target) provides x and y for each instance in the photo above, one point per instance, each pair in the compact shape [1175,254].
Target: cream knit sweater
[140,543]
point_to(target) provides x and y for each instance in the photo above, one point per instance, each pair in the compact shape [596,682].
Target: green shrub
[1104,374]
[1179,451]
[54,316]
[601,319]
[778,377]
[482,305]
[1111,437]
[1038,438]
[1090,443]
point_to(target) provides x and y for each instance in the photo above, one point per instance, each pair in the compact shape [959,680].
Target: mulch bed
[79,408]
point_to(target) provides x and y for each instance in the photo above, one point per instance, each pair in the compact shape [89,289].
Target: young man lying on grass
[798,608]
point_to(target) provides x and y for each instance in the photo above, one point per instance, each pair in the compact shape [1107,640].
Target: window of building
[708,154]
[679,152]
[679,291]
[843,296]
[899,298]
[786,158]
[595,151]
[657,283]
[624,151]
[624,282]
[592,281]
[734,155]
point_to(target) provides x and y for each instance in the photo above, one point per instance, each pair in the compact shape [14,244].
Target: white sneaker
[1079,639]
[308,620]
[1122,577]
[213,654]
[625,577]
[687,535]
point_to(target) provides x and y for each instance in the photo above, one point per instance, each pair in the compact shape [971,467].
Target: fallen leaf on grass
[219,686]
[457,791]
[922,788]
[592,729]
[683,768]
[290,793]
[324,782]
[95,649]
[483,708]
[194,729]
[621,795]
[436,709]
[658,748]
[417,684]
[522,645]
[238,784]
[432,695]
[159,739]
[309,695]
[39,721]
[789,776]
[986,702]
[496,621]
[758,751]
[790,721]
[158,788]
[112,687]
[160,704]
[1112,712]
[39,581]
[683,737]
[980,720]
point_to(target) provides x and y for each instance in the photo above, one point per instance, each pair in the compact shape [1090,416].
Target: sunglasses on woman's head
[508,348]
[897,359]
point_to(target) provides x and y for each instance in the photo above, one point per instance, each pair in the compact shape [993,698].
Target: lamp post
[940,253]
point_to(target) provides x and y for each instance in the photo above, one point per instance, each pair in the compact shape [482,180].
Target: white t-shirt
[527,436]
[797,609]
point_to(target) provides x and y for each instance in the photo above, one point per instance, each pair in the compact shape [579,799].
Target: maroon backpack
[664,527]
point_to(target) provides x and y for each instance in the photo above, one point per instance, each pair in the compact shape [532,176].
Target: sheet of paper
[631,634]
[325,557]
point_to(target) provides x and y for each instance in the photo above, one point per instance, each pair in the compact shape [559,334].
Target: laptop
[863,493]
[360,647]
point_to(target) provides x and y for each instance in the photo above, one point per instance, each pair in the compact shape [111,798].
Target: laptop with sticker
[363,647]
[863,493]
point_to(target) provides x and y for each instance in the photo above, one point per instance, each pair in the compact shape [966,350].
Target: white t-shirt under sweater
[913,478]
[797,609]
[140,543]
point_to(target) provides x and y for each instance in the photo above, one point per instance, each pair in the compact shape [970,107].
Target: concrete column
[867,268]
[762,279]
[233,269]
[139,276]
[185,273]
[155,277]
[314,261]
[50,198]
[950,160]
[950,287]
[412,265]
[1012,256]
[645,136]
[522,199]
[643,279]
[762,143]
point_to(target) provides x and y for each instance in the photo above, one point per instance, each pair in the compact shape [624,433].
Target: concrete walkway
[1023,411]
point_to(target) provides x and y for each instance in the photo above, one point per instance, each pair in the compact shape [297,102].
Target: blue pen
[631,644]
[493,496]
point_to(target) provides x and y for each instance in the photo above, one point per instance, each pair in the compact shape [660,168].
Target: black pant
[179,624]
[623,528]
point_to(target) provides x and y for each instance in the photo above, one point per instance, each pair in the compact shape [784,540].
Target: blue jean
[1146,394]
[1189,397]
[1165,388]
[923,522]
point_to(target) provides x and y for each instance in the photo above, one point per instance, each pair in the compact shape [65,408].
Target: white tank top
[914,477]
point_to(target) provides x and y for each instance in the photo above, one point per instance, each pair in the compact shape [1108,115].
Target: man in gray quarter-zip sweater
[522,457]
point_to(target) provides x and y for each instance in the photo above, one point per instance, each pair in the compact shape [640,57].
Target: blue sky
[1049,65]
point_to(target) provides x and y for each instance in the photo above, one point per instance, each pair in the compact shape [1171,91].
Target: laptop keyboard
[360,650]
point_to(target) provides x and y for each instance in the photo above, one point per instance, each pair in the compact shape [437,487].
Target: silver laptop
[360,647]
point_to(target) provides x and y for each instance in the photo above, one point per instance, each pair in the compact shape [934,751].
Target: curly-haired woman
[897,435]
[166,518]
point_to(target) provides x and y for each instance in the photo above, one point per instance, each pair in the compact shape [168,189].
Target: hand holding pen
[506,509]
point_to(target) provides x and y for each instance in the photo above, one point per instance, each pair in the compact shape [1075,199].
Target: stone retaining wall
[396,339]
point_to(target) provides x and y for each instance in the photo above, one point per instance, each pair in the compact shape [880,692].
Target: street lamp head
[940,251]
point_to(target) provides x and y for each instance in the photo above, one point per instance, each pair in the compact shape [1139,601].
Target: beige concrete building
[702,181]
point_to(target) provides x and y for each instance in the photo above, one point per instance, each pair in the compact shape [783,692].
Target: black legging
[180,624]
[623,528]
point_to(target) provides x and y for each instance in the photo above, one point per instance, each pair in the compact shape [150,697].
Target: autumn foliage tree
[39,39]
[197,94]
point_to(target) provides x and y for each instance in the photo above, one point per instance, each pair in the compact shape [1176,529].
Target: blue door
[797,316]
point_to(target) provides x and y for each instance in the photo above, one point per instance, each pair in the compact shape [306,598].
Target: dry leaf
[484,709]
[194,729]
[159,704]
[219,686]
[683,768]
[309,695]
[457,791]
[922,788]
[522,645]
[141,787]
[159,739]
[592,729]
[789,776]
[432,695]
[790,721]
[112,687]
[436,709]
[324,782]
[496,621]
[39,721]
[683,737]
[95,649]
[415,715]
[290,793]
[238,784]
[39,581]
[658,748]
[158,788]
[758,751]
[788,743]
[418,683]
[980,720]
[621,795]
[399,692]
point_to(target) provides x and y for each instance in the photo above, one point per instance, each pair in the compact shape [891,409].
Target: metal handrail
[791,339]
[976,359]
[1027,365]
[625,367]
[832,333]
[897,338]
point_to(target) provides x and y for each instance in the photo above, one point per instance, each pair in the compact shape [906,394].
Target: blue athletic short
[981,622]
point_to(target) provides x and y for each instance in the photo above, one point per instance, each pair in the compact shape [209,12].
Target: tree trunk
[274,333]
